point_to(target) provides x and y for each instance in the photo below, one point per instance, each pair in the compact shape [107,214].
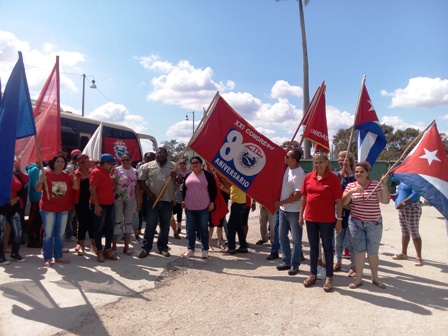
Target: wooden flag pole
[356,116]
[404,153]
[198,129]
[305,115]
[41,164]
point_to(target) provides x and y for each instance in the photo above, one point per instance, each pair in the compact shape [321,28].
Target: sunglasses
[182,163]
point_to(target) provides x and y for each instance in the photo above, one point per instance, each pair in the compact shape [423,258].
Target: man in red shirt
[102,206]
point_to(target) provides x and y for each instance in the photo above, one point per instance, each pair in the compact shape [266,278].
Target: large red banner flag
[47,116]
[244,156]
[316,121]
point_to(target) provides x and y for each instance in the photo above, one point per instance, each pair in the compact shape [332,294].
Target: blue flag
[371,138]
[16,122]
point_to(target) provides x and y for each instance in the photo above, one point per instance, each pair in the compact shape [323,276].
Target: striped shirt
[363,209]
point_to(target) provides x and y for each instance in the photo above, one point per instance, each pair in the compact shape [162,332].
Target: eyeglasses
[195,162]
[125,160]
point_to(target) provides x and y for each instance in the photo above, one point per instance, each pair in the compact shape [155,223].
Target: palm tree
[306,84]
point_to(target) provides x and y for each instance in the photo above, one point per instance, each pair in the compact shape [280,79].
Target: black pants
[235,225]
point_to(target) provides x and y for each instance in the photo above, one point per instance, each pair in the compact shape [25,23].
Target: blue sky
[155,61]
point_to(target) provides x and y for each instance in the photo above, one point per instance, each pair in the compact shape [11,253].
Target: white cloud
[399,123]
[38,63]
[118,113]
[282,89]
[420,92]
[182,84]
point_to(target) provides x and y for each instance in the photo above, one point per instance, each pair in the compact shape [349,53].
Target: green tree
[294,144]
[174,149]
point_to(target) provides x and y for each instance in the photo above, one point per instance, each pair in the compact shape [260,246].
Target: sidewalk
[86,297]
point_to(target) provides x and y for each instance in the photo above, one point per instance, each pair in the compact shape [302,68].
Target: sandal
[355,285]
[418,262]
[379,284]
[328,286]
[48,263]
[100,256]
[400,256]
[337,267]
[109,254]
[311,280]
[352,273]
[81,253]
[128,251]
[77,248]
[62,261]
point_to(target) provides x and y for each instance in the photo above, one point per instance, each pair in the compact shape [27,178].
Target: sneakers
[227,251]
[283,267]
[3,261]
[165,253]
[321,272]
[273,256]
[18,258]
[293,270]
[204,254]
[143,254]
[188,254]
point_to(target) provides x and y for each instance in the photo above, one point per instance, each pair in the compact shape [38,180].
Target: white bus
[77,130]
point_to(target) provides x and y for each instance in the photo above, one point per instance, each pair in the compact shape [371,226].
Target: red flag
[317,130]
[47,114]
[245,157]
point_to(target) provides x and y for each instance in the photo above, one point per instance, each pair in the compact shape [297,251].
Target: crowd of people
[106,201]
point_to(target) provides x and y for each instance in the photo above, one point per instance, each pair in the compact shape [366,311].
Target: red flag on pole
[244,156]
[316,121]
[47,115]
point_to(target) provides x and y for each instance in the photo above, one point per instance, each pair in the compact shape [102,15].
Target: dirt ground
[242,294]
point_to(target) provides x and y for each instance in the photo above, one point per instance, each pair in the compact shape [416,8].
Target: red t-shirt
[60,187]
[321,196]
[101,179]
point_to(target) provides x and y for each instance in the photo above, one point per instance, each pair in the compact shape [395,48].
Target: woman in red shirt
[321,190]
[54,206]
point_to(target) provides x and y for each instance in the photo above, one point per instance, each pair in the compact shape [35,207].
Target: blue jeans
[340,243]
[197,220]
[276,246]
[106,222]
[54,227]
[16,226]
[161,213]
[326,232]
[289,221]
[365,236]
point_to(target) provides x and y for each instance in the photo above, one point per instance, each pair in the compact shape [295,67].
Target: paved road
[79,298]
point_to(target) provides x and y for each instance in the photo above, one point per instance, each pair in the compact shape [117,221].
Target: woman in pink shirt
[199,194]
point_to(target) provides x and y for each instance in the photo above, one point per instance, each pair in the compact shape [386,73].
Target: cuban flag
[371,138]
[425,170]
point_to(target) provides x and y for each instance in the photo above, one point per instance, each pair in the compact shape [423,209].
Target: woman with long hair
[199,194]
[54,206]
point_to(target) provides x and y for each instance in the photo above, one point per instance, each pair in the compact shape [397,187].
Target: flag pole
[305,115]
[204,117]
[41,164]
[405,152]
[313,104]
[356,116]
